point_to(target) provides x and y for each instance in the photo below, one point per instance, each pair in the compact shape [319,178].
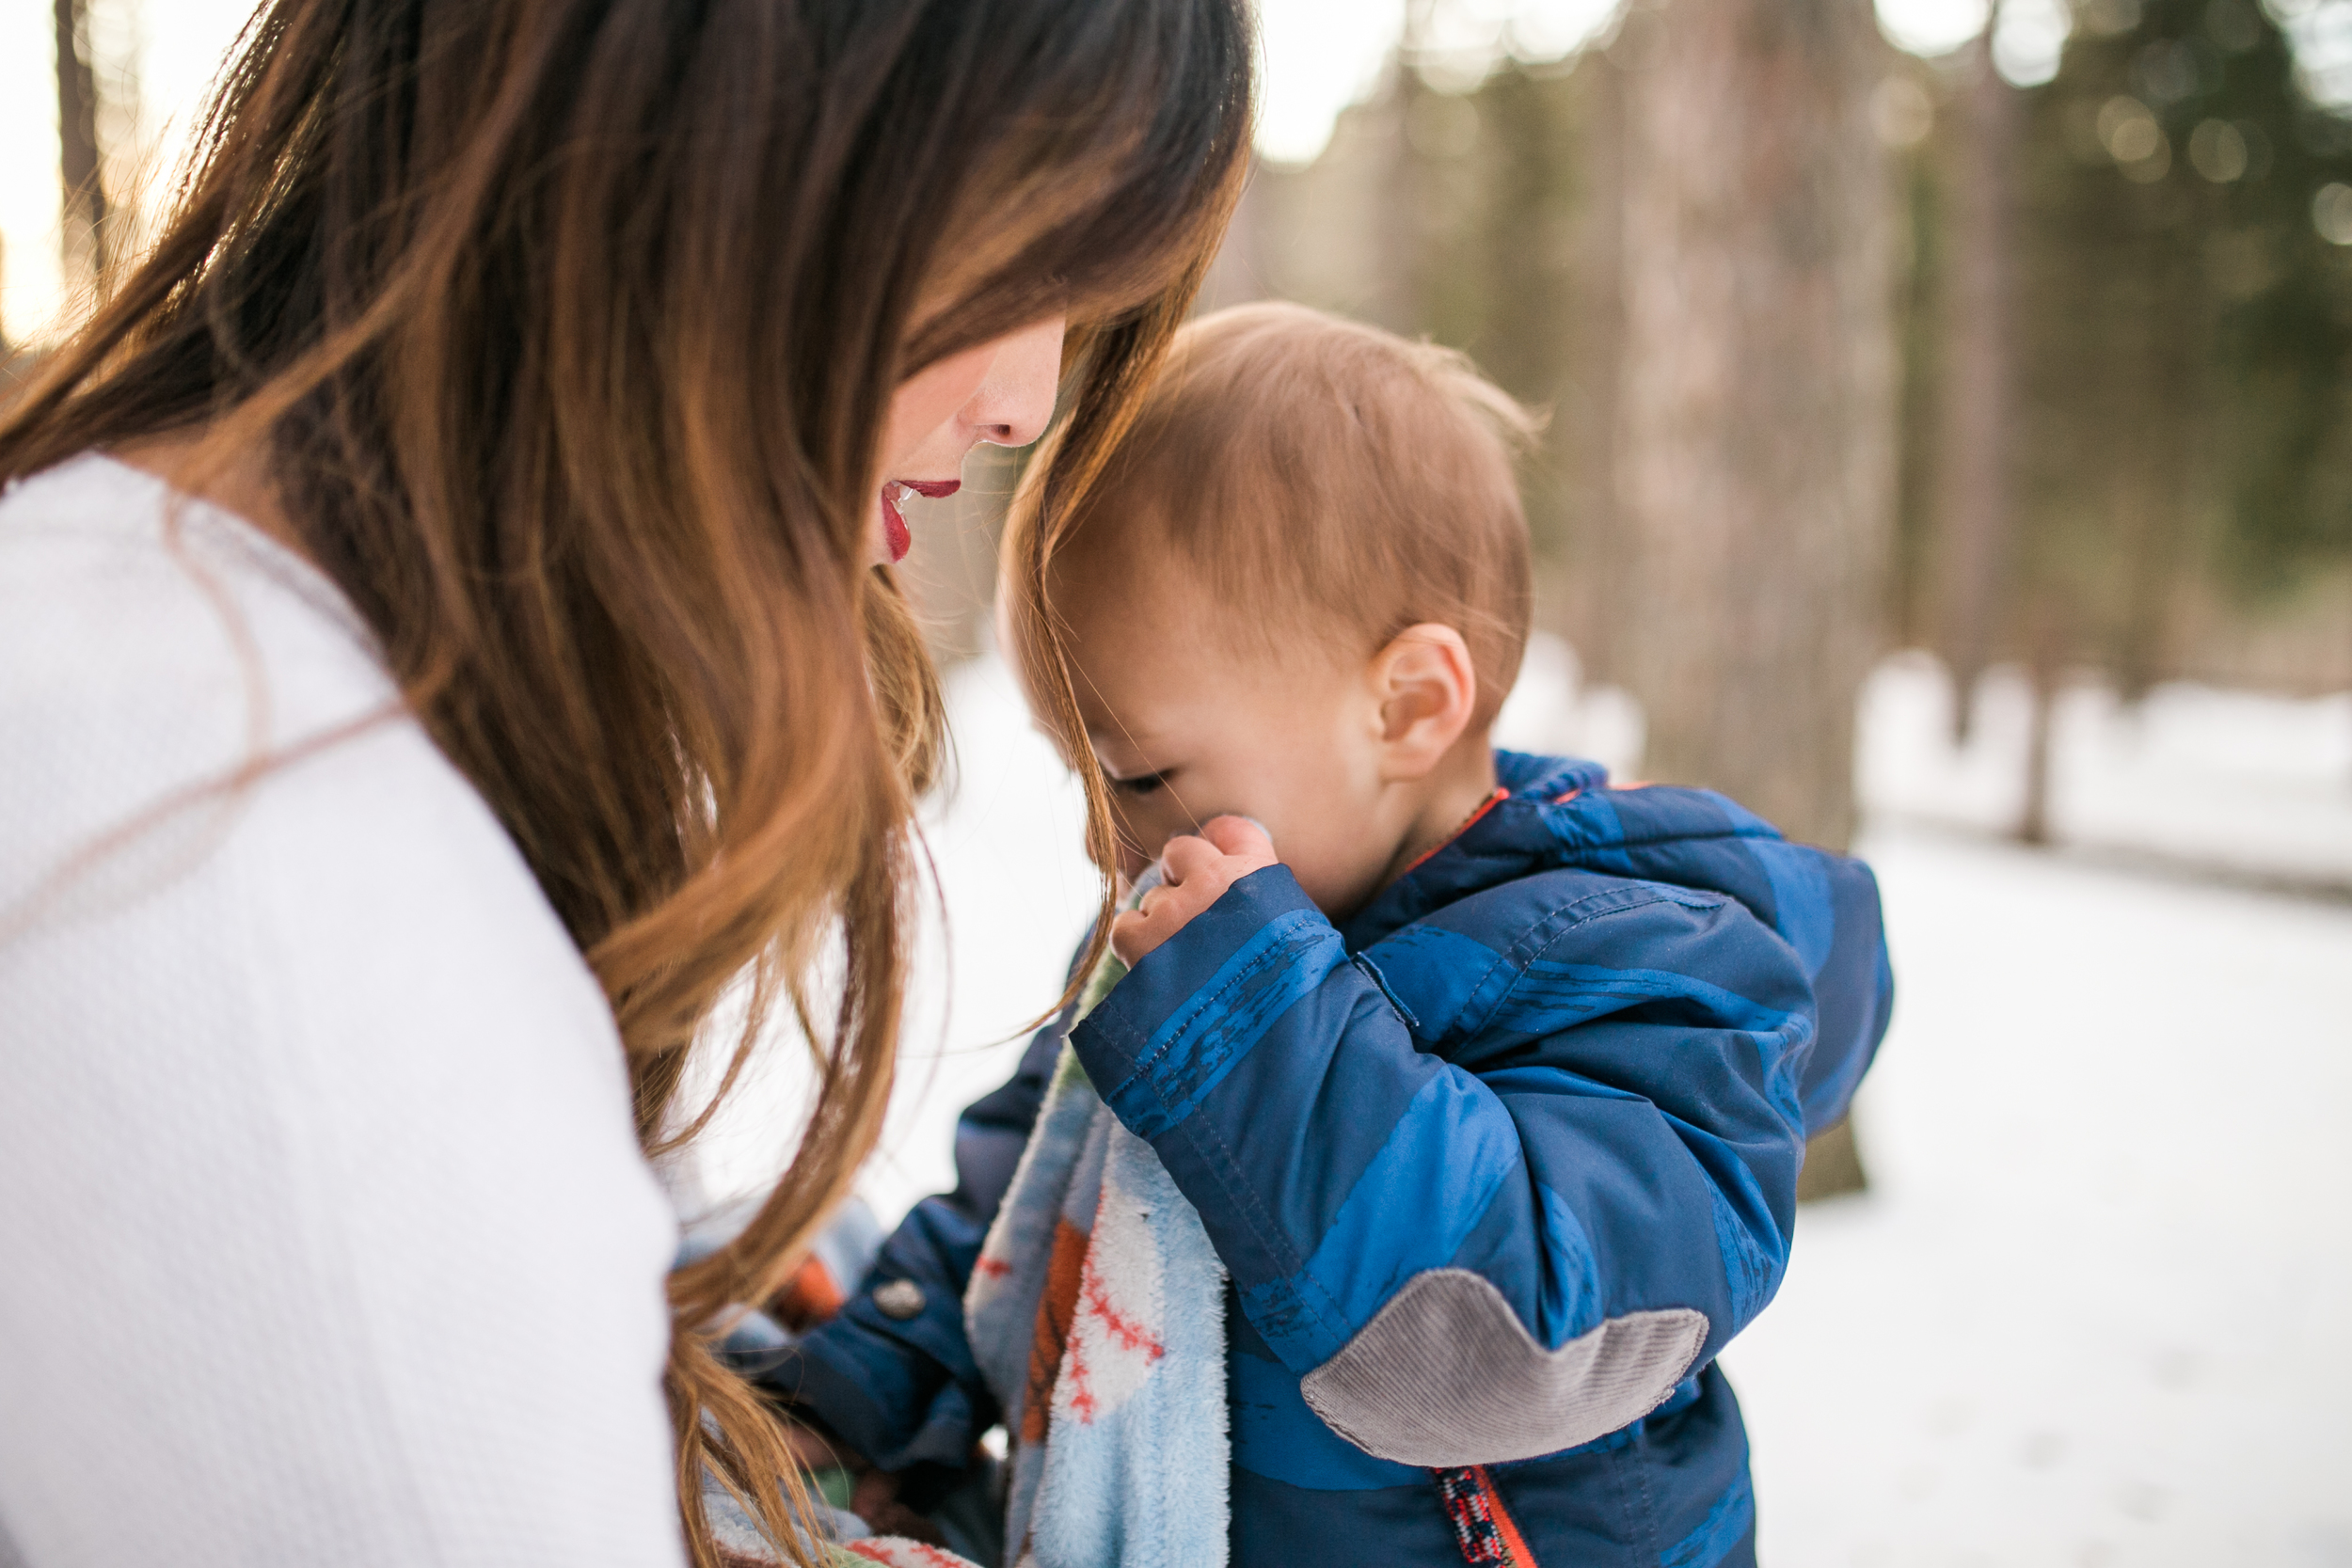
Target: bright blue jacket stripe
[1191,1054]
[1430,1182]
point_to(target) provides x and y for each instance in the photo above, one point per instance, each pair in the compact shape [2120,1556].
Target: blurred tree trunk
[1757,413]
[2042,672]
[1979,389]
[77,144]
[1757,418]
[2160,490]
[1833,1164]
[1404,213]
[1591,606]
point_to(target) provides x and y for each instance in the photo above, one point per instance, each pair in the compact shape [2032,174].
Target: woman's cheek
[925,405]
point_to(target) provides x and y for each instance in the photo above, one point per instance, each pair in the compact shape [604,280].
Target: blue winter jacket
[1497,1170]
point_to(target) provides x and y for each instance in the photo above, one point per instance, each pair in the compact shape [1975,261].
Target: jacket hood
[1560,814]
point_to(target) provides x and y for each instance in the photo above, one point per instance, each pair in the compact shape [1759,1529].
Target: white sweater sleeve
[323,1234]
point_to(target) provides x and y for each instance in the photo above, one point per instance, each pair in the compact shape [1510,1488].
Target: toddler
[1439,1120]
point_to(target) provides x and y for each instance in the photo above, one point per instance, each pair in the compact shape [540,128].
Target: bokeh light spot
[2168,70]
[2128,131]
[2331,214]
[2218,152]
[1931,26]
[1900,112]
[2028,38]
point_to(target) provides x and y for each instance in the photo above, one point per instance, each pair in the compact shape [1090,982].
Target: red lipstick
[895,531]
[895,534]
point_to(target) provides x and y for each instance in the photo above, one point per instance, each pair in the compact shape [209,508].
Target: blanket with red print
[1097,1313]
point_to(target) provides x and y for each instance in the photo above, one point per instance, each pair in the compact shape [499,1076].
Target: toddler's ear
[1428,690]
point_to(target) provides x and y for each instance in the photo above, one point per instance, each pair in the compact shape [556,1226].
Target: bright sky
[1320,55]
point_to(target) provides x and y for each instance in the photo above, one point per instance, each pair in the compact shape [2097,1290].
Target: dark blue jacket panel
[1671,1492]
[908,1393]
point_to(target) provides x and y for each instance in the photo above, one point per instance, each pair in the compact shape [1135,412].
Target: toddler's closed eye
[1142,783]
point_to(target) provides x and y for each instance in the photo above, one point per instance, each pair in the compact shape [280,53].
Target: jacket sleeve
[1511,1221]
[905,1391]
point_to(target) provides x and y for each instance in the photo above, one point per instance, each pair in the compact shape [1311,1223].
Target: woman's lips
[895,532]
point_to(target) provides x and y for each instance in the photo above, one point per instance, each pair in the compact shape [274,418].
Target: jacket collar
[1509,838]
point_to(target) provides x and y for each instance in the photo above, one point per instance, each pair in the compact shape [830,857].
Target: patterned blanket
[742,1546]
[1097,1314]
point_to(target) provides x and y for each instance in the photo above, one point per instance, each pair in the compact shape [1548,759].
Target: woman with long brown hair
[441,652]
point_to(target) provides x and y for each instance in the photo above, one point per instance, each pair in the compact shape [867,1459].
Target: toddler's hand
[1197,871]
[873,1493]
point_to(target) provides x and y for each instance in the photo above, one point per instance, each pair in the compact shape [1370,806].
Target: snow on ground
[2091,1311]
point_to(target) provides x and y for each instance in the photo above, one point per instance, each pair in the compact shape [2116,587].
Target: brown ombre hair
[564,331]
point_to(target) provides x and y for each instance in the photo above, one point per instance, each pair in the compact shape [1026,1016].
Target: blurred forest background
[2094,335]
[2041,363]
[1950,440]
[1849,350]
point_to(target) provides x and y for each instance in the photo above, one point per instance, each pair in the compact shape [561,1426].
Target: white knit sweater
[324,1237]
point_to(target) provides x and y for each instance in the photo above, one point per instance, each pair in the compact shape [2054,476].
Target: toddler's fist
[1197,871]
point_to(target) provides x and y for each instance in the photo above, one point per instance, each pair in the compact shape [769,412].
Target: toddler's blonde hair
[1320,478]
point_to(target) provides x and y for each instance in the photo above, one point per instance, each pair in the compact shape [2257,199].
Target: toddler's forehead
[1145,603]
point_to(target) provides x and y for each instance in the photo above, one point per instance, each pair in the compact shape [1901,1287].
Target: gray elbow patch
[1447,1375]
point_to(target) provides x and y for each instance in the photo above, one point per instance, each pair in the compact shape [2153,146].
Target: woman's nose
[1015,401]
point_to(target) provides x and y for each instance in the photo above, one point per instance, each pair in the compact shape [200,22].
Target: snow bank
[2228,780]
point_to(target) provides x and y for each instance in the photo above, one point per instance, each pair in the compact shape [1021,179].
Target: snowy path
[2091,1311]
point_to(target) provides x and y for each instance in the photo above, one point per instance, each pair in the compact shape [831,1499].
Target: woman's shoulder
[313,1100]
[116,594]
[200,749]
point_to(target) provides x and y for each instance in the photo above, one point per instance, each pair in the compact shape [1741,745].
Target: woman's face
[1001,392]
